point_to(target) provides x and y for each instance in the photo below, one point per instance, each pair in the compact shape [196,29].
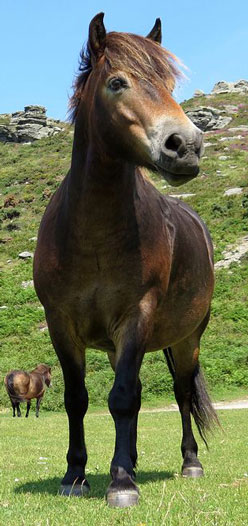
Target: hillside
[30,172]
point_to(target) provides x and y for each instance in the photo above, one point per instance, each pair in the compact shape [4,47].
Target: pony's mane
[138,56]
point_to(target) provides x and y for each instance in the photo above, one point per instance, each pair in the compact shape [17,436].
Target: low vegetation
[32,460]
[30,174]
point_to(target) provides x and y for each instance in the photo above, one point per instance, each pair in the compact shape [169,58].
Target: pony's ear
[97,37]
[156,32]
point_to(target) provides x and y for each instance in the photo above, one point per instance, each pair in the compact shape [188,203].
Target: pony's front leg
[124,399]
[76,404]
[133,430]
[72,359]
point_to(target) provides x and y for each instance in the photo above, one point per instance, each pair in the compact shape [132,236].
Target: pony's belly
[171,327]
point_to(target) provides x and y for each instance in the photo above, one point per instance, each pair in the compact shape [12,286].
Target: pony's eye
[117,84]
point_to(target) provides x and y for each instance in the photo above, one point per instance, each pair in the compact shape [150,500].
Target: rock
[223,157]
[233,254]
[207,118]
[240,86]
[199,93]
[223,139]
[222,87]
[43,326]
[7,134]
[233,191]
[230,108]
[237,129]
[35,110]
[181,196]
[25,255]
[29,125]
[26,284]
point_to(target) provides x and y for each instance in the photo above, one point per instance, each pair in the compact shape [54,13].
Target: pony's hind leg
[37,409]
[133,433]
[192,397]
[14,406]
[28,408]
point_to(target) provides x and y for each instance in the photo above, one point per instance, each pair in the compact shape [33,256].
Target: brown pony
[22,386]
[118,266]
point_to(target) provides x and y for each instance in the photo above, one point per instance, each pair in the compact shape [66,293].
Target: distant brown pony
[22,386]
[118,266]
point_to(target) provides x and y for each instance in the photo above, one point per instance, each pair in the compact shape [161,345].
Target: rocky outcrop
[241,86]
[199,93]
[207,118]
[29,125]
[233,254]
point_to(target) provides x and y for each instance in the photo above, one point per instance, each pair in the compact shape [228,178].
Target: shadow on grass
[98,483]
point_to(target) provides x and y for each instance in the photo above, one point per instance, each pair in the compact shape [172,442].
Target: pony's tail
[202,409]
[9,384]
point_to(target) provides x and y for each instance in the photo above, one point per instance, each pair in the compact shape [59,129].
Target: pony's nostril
[199,148]
[175,143]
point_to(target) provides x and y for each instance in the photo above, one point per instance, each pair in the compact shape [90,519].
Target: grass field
[32,461]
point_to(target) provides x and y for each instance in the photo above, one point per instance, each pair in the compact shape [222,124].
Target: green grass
[29,483]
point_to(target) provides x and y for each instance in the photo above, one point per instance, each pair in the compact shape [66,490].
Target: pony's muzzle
[177,145]
[180,154]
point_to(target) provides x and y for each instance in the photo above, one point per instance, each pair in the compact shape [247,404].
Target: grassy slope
[29,175]
[32,460]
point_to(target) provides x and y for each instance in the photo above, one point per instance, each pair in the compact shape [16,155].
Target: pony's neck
[96,175]
[101,192]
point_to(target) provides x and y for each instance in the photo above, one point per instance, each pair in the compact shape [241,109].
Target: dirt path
[234,404]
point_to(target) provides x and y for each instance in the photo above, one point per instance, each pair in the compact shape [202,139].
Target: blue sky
[41,41]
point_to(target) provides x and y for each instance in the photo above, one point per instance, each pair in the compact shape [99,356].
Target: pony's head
[45,371]
[123,102]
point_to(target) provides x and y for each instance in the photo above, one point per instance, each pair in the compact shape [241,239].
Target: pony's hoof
[193,472]
[74,490]
[123,498]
